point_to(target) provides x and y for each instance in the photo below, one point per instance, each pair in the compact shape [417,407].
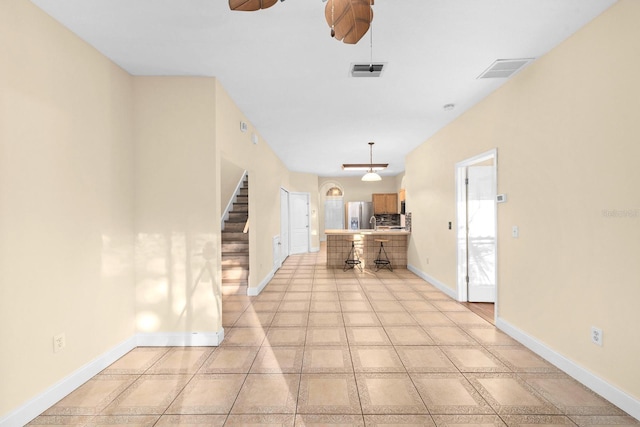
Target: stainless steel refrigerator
[358,215]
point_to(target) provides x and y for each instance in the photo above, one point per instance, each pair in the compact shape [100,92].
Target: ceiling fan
[349,20]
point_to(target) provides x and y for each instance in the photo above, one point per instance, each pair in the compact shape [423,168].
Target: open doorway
[476,187]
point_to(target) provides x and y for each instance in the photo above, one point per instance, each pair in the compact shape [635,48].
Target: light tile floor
[323,347]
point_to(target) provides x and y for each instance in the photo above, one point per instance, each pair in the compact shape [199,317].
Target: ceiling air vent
[365,70]
[503,68]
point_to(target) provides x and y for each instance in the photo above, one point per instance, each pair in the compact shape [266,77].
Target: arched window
[334,192]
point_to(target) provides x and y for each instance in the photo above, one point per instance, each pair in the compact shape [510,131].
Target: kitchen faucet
[374,221]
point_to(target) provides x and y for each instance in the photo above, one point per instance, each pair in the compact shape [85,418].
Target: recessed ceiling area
[293,81]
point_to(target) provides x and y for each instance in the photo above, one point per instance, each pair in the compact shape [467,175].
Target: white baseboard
[49,397]
[252,292]
[435,282]
[180,339]
[613,394]
[314,250]
[53,394]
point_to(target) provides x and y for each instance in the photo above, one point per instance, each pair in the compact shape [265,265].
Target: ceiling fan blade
[350,18]
[250,5]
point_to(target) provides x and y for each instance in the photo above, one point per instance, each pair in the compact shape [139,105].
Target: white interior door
[299,220]
[481,233]
[284,225]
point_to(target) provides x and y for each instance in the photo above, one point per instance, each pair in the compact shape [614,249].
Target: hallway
[325,347]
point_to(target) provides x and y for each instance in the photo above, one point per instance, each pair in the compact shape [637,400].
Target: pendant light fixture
[371,175]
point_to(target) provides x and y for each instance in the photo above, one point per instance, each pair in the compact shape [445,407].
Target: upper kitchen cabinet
[385,203]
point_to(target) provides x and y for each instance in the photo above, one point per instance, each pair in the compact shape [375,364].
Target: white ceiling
[292,81]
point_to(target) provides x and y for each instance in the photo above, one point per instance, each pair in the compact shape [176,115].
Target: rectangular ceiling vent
[367,70]
[503,68]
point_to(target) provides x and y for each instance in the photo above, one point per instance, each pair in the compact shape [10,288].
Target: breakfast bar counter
[366,246]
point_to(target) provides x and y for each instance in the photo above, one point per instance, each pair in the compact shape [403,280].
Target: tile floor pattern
[323,347]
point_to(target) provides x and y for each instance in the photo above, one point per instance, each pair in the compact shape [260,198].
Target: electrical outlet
[59,342]
[596,336]
[515,232]
[427,260]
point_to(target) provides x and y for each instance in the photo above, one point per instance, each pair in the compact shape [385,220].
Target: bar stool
[382,260]
[353,260]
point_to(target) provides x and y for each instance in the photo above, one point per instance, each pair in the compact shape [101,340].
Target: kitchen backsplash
[388,220]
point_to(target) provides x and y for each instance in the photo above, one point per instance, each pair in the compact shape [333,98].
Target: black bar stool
[382,260]
[353,260]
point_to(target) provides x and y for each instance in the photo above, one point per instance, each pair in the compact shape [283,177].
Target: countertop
[386,232]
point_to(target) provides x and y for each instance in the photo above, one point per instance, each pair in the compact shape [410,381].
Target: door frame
[285,224]
[461,220]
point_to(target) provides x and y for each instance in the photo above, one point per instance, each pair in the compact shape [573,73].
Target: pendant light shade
[371,175]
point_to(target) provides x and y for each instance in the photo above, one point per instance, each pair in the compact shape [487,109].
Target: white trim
[180,339]
[62,388]
[435,282]
[461,219]
[315,249]
[487,155]
[613,394]
[254,291]
[285,231]
[225,214]
[461,229]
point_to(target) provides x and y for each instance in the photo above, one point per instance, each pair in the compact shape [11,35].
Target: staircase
[235,245]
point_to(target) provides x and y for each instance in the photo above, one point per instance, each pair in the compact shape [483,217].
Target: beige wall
[177,204]
[69,123]
[105,178]
[566,132]
[66,203]
[267,174]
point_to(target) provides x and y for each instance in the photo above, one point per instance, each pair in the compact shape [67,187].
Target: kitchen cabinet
[385,203]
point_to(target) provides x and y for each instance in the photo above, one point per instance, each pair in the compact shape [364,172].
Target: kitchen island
[366,246]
